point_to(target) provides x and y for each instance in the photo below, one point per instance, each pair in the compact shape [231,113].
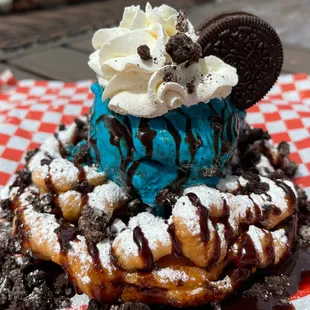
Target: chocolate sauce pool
[295,268]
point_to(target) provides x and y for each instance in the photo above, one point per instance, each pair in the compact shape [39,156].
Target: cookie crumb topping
[144,52]
[181,48]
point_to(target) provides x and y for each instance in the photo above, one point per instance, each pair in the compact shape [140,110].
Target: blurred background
[50,39]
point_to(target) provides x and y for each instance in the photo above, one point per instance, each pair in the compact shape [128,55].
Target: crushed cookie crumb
[92,224]
[276,286]
[170,77]
[181,48]
[191,86]
[182,23]
[62,127]
[144,52]
[284,149]
[30,154]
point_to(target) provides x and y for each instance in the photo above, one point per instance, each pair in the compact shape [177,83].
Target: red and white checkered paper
[31,111]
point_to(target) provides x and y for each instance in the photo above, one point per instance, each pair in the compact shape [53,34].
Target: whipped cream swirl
[150,88]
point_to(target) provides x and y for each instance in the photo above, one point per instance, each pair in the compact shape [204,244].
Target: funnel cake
[163,195]
[214,239]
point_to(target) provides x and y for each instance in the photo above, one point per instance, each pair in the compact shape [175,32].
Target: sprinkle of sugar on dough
[104,248]
[79,249]
[105,195]
[170,275]
[46,223]
[153,228]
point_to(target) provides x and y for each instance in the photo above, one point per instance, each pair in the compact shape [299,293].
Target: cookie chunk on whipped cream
[150,88]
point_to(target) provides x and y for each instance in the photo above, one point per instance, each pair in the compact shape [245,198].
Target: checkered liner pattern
[31,111]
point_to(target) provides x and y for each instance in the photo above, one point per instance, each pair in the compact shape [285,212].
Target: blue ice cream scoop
[187,146]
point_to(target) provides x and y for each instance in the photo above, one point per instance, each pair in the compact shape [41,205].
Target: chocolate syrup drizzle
[119,131]
[293,268]
[184,169]
[93,144]
[120,134]
[247,256]
[143,246]
[146,135]
[203,214]
[176,244]
[289,194]
[48,181]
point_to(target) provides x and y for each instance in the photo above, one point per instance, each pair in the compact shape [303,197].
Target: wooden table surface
[66,59]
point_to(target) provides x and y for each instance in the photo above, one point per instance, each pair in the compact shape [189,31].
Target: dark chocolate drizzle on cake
[146,135]
[144,248]
[184,169]
[62,150]
[176,244]
[93,144]
[48,181]
[203,214]
[119,131]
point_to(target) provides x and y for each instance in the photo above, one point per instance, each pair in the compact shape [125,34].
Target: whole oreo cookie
[249,44]
[216,18]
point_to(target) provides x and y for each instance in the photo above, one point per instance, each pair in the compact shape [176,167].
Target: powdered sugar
[224,284]
[196,291]
[291,185]
[188,213]
[280,235]
[154,229]
[220,228]
[257,235]
[85,280]
[41,228]
[168,275]
[19,259]
[125,242]
[209,197]
[44,171]
[66,136]
[5,192]
[49,149]
[63,171]
[105,196]
[263,166]
[280,243]
[117,226]
[27,196]
[242,181]
[78,251]
[276,194]
[104,248]
[35,160]
[238,206]
[70,198]
[228,184]
[92,174]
